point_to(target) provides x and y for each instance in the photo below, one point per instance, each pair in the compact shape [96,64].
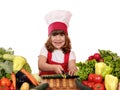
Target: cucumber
[58,76]
[51,76]
[80,86]
[42,86]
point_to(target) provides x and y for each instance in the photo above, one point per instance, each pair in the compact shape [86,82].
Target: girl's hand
[72,70]
[58,69]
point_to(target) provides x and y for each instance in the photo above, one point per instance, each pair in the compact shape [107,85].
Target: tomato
[91,77]
[98,79]
[5,82]
[12,87]
[85,82]
[4,88]
[98,86]
[90,84]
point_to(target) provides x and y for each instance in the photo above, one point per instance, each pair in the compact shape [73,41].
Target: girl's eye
[53,35]
[61,34]
[58,34]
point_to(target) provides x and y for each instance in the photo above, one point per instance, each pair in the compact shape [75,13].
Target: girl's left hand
[72,70]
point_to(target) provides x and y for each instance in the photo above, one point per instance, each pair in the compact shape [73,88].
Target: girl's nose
[58,37]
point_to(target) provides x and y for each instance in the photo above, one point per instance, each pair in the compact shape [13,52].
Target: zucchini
[42,86]
[80,86]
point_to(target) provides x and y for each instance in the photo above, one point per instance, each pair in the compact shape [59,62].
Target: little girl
[56,55]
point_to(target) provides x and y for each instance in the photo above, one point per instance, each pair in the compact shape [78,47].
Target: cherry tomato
[98,79]
[5,82]
[98,86]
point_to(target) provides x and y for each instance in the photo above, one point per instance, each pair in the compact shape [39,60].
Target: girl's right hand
[58,69]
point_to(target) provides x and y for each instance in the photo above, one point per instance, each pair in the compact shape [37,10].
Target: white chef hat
[58,20]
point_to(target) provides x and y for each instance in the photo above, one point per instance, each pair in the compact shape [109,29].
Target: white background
[94,25]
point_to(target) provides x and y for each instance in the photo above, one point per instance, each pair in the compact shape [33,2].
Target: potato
[25,86]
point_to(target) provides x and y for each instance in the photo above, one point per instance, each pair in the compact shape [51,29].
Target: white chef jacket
[57,55]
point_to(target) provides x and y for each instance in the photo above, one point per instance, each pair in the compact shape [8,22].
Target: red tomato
[5,82]
[91,77]
[85,82]
[90,84]
[12,87]
[98,86]
[98,79]
[4,88]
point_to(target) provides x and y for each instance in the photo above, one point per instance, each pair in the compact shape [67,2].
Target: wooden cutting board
[61,84]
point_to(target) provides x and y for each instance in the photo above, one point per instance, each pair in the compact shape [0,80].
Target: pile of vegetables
[15,70]
[104,63]
[9,62]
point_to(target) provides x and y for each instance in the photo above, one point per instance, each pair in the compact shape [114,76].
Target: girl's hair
[66,48]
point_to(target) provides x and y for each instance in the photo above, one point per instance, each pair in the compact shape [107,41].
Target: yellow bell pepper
[18,63]
[111,82]
[99,67]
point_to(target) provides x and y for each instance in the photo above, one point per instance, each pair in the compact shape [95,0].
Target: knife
[64,74]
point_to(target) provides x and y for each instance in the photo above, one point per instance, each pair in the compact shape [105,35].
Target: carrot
[13,77]
[30,77]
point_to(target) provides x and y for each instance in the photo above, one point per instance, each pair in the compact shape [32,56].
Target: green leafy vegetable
[85,69]
[2,50]
[5,68]
[113,60]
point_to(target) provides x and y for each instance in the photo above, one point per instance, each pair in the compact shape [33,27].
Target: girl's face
[58,40]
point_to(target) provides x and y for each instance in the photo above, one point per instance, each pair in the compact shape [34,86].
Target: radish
[101,60]
[90,57]
[97,56]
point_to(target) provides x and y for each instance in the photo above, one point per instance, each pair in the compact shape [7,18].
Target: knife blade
[64,74]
